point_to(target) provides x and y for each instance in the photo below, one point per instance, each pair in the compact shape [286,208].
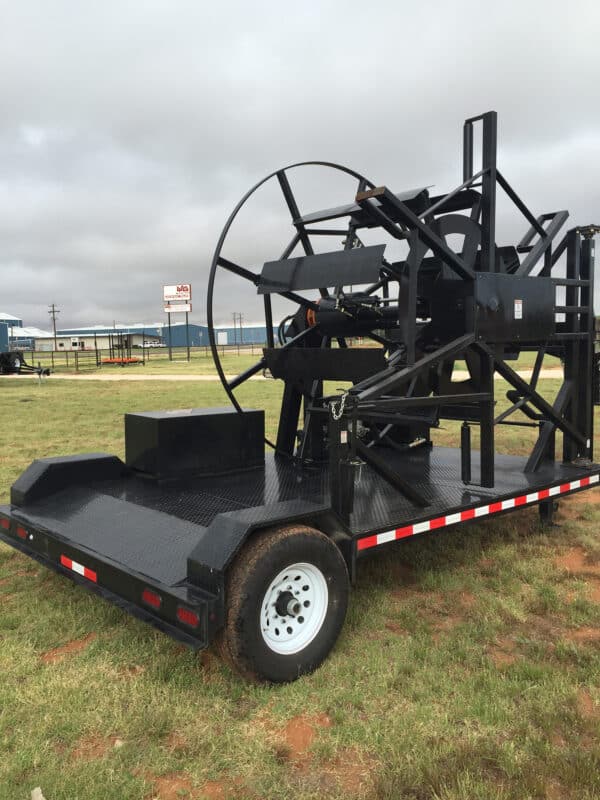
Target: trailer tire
[260,642]
[16,362]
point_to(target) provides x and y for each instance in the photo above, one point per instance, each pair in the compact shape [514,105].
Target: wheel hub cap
[294,608]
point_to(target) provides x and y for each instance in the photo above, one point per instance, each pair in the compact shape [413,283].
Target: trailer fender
[46,476]
[229,531]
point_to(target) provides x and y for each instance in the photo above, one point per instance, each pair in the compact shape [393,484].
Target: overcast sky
[129,130]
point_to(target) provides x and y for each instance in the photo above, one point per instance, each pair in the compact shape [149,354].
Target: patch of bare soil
[132,671]
[393,627]
[502,652]
[576,562]
[586,706]
[94,747]
[593,585]
[176,741]
[223,790]
[467,599]
[4,581]
[583,635]
[178,786]
[554,790]
[298,735]
[75,646]
[174,786]
[351,771]
[445,624]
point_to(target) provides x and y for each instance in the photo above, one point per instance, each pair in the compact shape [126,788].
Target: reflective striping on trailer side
[79,569]
[471,513]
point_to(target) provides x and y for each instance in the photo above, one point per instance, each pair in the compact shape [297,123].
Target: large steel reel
[302,237]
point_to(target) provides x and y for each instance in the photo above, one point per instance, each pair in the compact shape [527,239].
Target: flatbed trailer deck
[126,536]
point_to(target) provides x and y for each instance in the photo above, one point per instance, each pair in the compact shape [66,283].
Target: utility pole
[53,312]
[237,320]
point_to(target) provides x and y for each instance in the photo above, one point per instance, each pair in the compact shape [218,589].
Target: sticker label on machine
[518,309]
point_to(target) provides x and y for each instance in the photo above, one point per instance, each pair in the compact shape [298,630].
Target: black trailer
[13,362]
[206,537]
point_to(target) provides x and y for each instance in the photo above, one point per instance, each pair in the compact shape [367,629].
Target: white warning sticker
[518,309]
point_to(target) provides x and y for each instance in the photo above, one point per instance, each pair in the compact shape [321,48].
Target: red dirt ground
[586,706]
[576,562]
[502,652]
[75,646]
[178,786]
[583,635]
[92,747]
[299,734]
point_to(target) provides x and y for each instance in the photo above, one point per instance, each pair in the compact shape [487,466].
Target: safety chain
[337,413]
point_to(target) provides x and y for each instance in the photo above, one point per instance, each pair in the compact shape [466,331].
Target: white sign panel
[177,293]
[177,307]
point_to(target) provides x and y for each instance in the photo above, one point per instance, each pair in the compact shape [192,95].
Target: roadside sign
[177,293]
[174,308]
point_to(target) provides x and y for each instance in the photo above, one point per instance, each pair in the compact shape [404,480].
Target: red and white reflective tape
[471,513]
[79,569]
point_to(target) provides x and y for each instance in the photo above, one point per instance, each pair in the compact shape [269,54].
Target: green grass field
[468,668]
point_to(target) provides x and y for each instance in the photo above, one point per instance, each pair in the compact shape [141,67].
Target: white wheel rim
[17,363]
[302,589]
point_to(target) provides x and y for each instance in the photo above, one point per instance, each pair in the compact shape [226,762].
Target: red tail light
[5,523]
[21,532]
[188,617]
[151,598]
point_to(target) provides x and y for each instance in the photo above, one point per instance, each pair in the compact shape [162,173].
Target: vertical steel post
[467,151]
[586,351]
[488,192]
[572,346]
[465,452]
[486,423]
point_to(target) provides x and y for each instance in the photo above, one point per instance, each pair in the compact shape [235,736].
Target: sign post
[177,298]
[169,324]
[187,334]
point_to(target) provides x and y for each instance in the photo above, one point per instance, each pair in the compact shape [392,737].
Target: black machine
[206,537]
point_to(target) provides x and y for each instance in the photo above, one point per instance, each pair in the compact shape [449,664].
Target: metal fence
[89,360]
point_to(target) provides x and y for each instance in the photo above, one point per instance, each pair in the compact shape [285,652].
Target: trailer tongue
[207,538]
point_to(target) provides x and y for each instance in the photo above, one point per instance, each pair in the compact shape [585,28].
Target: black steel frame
[386,396]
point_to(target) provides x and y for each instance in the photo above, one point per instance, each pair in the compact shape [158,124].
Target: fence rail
[88,360]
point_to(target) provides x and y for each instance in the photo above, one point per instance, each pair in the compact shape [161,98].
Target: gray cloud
[129,130]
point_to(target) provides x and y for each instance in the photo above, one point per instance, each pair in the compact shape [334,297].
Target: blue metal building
[13,322]
[198,334]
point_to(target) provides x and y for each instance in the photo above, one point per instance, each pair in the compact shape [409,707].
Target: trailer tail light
[4,523]
[80,569]
[151,598]
[188,617]
[21,532]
